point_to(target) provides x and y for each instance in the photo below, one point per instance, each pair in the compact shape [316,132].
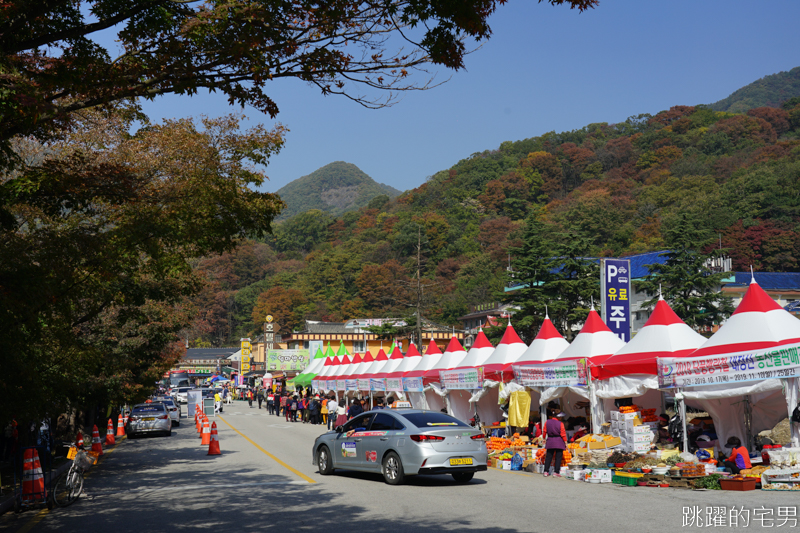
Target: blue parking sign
[615,285]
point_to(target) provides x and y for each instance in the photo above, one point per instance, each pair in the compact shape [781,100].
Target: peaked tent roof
[481,350]
[315,366]
[426,362]
[758,323]
[395,360]
[508,351]
[547,345]
[451,358]
[409,361]
[366,362]
[663,335]
[330,367]
[595,342]
[355,362]
[340,370]
[342,348]
[377,365]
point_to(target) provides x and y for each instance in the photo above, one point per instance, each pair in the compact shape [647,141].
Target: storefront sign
[363,384]
[468,378]
[615,288]
[287,359]
[563,374]
[351,384]
[394,384]
[377,384]
[412,384]
[772,363]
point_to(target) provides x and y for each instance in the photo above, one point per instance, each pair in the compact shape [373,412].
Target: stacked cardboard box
[636,436]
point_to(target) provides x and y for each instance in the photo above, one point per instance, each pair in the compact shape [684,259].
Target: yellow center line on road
[265,452]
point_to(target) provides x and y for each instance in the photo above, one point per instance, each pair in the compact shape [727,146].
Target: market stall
[744,376]
[431,357]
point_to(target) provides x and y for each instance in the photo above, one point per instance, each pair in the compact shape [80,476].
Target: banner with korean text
[363,384]
[754,365]
[466,378]
[351,384]
[413,385]
[394,384]
[341,384]
[377,384]
[561,374]
[314,384]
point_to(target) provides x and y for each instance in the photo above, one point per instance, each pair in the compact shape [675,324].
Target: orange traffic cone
[97,446]
[213,445]
[199,422]
[206,435]
[32,478]
[110,441]
[120,427]
[79,440]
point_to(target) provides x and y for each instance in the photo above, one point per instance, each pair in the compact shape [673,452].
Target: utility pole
[419,285]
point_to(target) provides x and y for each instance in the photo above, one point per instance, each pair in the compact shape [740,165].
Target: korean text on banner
[413,385]
[772,363]
[563,374]
[341,384]
[351,384]
[363,384]
[615,287]
[377,384]
[331,384]
[314,384]
[468,378]
[394,384]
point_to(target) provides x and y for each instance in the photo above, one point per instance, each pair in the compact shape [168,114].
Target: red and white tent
[329,368]
[366,362]
[758,323]
[547,345]
[340,367]
[596,343]
[431,357]
[355,362]
[450,359]
[411,360]
[487,407]
[381,360]
[507,352]
[632,371]
[395,358]
[477,355]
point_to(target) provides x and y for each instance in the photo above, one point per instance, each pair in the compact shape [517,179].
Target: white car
[173,409]
[180,394]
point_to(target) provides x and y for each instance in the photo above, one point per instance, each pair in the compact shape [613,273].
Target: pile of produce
[517,441]
[619,457]
[642,462]
[497,443]
[753,472]
[565,458]
[649,415]
[629,409]
[708,482]
[672,460]
[504,457]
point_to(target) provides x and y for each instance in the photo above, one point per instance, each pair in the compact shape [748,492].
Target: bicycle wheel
[68,487]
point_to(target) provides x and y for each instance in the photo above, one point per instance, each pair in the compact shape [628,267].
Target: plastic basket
[737,484]
[625,481]
[73,451]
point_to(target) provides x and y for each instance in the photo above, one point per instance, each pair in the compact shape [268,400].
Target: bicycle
[69,485]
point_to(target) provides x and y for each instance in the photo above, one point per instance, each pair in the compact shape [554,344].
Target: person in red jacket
[739,458]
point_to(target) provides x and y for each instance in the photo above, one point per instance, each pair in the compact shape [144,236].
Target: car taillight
[163,417]
[478,437]
[424,438]
[131,418]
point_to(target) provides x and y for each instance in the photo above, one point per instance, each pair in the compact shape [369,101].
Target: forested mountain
[603,190]
[769,91]
[335,188]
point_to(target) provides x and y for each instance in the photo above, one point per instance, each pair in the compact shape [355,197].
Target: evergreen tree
[687,284]
[575,283]
[532,266]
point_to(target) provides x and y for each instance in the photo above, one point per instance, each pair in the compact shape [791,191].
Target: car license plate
[149,418]
[461,461]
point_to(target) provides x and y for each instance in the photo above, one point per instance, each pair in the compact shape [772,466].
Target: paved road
[265,480]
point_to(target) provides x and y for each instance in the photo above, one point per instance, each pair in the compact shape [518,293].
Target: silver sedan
[402,443]
[149,418]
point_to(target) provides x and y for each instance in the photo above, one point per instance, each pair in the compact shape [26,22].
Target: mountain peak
[336,188]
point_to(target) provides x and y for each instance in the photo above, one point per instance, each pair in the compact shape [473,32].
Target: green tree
[531,276]
[685,280]
[575,283]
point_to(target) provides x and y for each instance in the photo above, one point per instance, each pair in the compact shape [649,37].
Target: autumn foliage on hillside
[615,187]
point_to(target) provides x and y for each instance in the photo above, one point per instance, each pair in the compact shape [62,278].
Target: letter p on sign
[612,273]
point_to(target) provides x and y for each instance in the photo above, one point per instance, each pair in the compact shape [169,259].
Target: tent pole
[683,422]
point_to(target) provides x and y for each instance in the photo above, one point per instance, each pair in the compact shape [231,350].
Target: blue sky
[545,68]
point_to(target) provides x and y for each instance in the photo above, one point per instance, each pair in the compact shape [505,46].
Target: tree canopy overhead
[53,64]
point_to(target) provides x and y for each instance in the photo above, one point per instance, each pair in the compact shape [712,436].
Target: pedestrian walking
[282,407]
[556,443]
[294,405]
[355,409]
[323,410]
[250,397]
[314,408]
[270,402]
[260,396]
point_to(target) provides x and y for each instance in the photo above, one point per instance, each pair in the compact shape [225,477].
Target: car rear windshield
[155,408]
[167,402]
[431,420]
